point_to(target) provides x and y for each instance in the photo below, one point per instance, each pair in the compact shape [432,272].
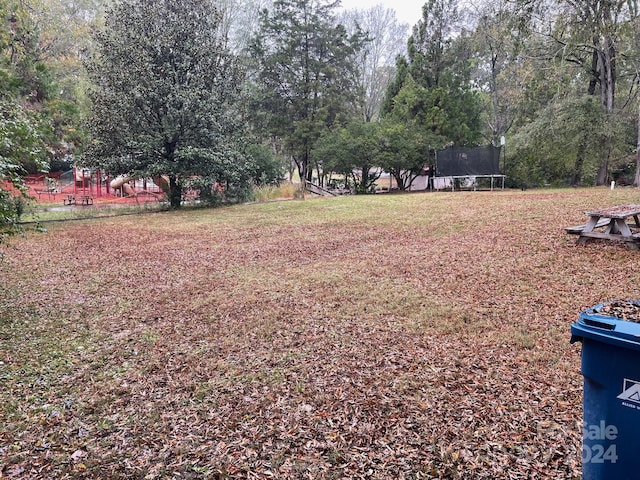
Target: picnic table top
[618,211]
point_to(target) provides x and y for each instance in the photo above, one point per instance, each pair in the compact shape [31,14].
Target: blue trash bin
[611,371]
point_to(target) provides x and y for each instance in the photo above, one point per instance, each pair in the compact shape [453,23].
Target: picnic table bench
[611,224]
[72,199]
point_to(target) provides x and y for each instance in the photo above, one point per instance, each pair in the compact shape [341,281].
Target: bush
[268,168]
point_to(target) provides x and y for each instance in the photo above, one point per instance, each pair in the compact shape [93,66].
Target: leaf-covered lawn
[406,336]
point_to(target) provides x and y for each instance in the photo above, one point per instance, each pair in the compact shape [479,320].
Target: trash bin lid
[596,325]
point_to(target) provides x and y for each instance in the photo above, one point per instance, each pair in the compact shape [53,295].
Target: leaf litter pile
[405,336]
[624,310]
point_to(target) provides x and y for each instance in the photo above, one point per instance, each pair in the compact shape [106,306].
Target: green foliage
[27,70]
[544,151]
[432,90]
[62,130]
[20,145]
[166,96]
[268,168]
[404,151]
[306,73]
[448,117]
[334,154]
[352,151]
[10,211]
[502,35]
[402,73]
[429,46]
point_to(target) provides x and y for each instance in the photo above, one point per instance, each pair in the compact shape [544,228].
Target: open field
[382,337]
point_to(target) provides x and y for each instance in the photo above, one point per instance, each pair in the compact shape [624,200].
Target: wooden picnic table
[611,224]
[72,199]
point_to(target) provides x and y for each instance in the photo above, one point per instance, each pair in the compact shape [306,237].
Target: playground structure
[85,186]
[124,186]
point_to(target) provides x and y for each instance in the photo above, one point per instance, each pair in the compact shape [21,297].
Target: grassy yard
[385,337]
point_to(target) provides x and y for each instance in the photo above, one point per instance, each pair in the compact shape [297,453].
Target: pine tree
[432,86]
[306,73]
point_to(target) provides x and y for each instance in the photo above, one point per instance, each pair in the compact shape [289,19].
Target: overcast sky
[407,11]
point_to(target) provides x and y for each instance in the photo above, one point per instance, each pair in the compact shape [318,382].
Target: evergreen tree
[433,87]
[166,96]
[306,73]
[394,87]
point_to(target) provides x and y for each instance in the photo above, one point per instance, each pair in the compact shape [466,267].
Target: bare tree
[387,40]
[500,30]
[240,20]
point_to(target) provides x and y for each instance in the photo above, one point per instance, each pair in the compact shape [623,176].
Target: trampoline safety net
[464,161]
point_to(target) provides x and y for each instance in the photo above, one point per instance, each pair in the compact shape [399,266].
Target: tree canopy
[432,89]
[306,73]
[353,151]
[20,144]
[26,93]
[166,95]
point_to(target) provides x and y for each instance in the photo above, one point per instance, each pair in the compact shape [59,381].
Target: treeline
[235,92]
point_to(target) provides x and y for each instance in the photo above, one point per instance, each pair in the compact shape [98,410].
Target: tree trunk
[577,167]
[302,172]
[309,172]
[636,182]
[397,174]
[582,149]
[364,185]
[607,91]
[175,192]
[497,127]
[603,170]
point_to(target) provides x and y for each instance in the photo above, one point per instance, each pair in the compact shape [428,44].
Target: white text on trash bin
[598,453]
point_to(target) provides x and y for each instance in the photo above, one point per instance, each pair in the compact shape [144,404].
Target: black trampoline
[468,164]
